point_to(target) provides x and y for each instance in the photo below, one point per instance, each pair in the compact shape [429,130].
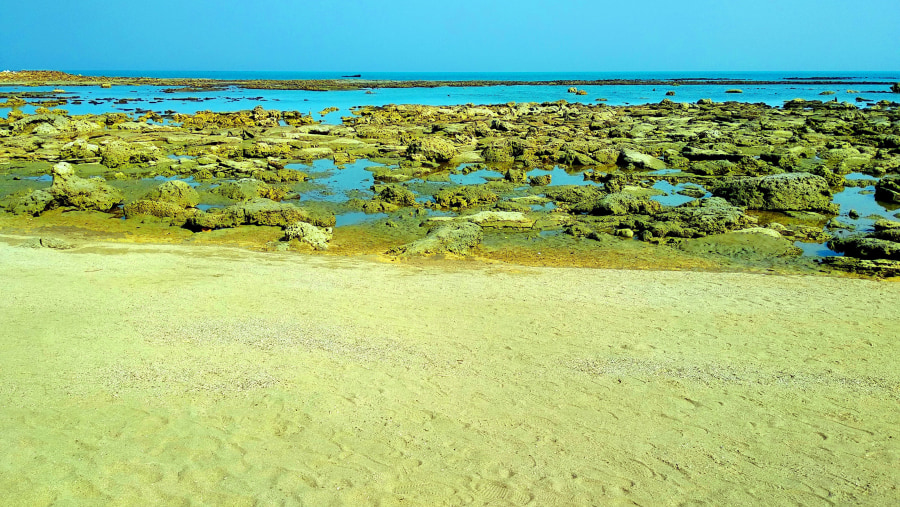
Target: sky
[451,35]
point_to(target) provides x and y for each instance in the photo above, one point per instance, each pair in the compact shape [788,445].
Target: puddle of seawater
[863,201]
[46,178]
[547,206]
[672,197]
[356,217]
[665,171]
[338,181]
[182,157]
[207,207]
[559,176]
[860,176]
[475,177]
[816,249]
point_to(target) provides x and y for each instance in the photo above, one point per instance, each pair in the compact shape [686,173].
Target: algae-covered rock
[697,219]
[864,247]
[259,211]
[28,202]
[395,194]
[492,220]
[888,189]
[79,149]
[432,149]
[464,197]
[86,194]
[117,153]
[316,237]
[779,192]
[454,237]
[619,203]
[633,159]
[159,209]
[175,192]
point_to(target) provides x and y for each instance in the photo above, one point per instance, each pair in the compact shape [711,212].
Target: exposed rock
[432,149]
[492,220]
[176,192]
[696,219]
[316,237]
[632,159]
[619,203]
[888,189]
[453,237]
[29,202]
[868,267]
[864,247]
[79,149]
[256,212]
[159,209]
[779,192]
[117,153]
[86,194]
[395,194]
[53,243]
[464,197]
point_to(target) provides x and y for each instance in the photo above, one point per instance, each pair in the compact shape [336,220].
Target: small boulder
[888,189]
[176,192]
[86,194]
[619,203]
[316,237]
[117,153]
[779,192]
[433,149]
[632,159]
[453,237]
[465,196]
[29,202]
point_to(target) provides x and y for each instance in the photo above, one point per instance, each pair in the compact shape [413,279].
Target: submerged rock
[454,237]
[779,192]
[86,194]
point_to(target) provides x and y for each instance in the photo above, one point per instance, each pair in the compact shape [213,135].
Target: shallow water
[339,182]
[672,197]
[233,99]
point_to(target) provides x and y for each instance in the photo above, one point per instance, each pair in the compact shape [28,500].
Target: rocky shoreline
[754,179]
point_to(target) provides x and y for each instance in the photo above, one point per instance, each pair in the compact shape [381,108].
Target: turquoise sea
[847,87]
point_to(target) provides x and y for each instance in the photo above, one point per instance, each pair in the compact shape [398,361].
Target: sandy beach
[178,374]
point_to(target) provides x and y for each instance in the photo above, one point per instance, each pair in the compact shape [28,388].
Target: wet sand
[147,374]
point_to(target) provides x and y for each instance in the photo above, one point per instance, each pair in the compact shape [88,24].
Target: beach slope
[148,374]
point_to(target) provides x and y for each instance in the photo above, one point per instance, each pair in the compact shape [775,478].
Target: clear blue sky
[451,35]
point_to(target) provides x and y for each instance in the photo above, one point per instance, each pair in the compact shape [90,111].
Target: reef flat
[357,82]
[714,185]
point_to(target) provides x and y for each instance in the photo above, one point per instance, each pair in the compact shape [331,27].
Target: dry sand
[148,374]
